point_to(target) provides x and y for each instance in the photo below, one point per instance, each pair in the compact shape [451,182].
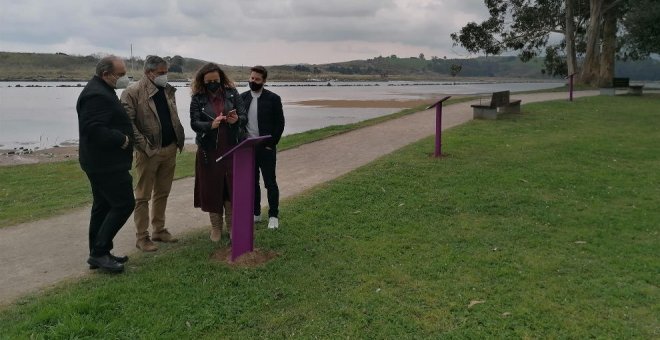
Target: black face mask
[213,87]
[255,87]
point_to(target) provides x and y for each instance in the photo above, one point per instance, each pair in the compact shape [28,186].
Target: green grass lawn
[546,223]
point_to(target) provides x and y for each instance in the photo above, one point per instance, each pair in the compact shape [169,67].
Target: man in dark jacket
[265,117]
[106,157]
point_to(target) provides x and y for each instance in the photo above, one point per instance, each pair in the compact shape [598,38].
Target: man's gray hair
[151,62]
[106,64]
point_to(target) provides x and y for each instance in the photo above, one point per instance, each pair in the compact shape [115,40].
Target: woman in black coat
[218,116]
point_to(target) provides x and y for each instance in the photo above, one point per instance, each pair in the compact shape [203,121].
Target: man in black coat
[106,157]
[265,117]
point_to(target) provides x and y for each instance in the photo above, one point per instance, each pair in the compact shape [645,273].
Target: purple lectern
[438,125]
[242,198]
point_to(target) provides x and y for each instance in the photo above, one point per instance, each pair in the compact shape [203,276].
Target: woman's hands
[231,118]
[216,122]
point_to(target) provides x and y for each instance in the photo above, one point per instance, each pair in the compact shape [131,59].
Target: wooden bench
[622,83]
[499,103]
[636,90]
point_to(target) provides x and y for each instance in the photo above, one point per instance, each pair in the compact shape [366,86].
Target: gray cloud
[127,9]
[238,30]
[339,8]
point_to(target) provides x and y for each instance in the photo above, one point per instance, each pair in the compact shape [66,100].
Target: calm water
[46,116]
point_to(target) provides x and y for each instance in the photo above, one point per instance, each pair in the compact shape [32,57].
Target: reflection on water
[46,116]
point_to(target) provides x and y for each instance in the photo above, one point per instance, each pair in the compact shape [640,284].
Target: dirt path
[38,254]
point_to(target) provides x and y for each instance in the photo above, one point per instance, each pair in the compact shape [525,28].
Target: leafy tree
[421,56]
[588,27]
[598,66]
[454,69]
[175,69]
[642,29]
[555,62]
[176,64]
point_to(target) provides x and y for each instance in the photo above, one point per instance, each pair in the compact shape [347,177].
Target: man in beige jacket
[151,107]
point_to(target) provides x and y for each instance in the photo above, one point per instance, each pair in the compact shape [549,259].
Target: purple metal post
[242,199]
[438,126]
[242,203]
[438,130]
[570,87]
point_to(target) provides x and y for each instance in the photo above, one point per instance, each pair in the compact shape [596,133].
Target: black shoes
[110,263]
[120,259]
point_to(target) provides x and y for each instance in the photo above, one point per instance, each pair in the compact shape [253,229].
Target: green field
[541,225]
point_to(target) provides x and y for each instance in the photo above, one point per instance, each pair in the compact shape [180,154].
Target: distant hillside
[59,66]
[395,68]
[41,66]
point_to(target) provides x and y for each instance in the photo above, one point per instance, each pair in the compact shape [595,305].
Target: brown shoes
[164,236]
[216,234]
[145,244]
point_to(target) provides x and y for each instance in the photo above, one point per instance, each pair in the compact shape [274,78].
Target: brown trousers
[154,181]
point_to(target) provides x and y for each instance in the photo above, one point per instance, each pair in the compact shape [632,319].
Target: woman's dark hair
[197,85]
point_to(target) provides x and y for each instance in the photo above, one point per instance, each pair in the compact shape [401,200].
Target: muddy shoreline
[20,156]
[48,155]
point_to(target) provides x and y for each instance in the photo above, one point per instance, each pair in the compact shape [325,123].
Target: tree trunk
[590,70]
[571,58]
[608,52]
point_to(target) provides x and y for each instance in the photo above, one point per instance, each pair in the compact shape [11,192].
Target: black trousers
[113,204]
[266,161]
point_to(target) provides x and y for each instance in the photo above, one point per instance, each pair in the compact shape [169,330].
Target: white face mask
[122,82]
[161,81]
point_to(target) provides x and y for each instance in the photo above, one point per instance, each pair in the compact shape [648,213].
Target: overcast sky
[239,32]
